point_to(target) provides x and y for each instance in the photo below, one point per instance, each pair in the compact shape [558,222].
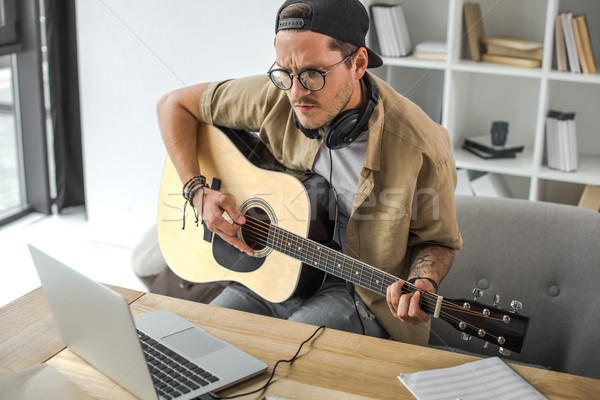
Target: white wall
[130,53]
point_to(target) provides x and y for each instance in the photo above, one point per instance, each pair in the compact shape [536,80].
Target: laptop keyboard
[173,374]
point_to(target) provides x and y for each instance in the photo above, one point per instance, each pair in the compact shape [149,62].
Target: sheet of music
[489,379]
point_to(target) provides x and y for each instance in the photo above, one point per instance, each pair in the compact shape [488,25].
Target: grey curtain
[64,101]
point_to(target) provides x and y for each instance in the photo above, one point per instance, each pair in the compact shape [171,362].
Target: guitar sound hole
[256,229]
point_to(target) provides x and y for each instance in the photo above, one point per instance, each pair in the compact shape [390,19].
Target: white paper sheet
[487,379]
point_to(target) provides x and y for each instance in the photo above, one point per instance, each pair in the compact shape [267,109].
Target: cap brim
[374,59]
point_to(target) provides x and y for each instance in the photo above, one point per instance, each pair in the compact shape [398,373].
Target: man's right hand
[215,204]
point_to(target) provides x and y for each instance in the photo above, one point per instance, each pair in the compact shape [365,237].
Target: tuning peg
[504,351]
[516,305]
[465,336]
[496,300]
[477,293]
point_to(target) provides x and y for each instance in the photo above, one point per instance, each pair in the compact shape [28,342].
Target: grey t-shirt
[345,165]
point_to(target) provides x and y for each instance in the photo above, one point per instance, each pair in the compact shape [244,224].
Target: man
[319,110]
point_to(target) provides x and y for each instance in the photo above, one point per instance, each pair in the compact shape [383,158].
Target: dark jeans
[332,306]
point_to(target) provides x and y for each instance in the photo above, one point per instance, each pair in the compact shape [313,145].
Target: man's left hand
[405,307]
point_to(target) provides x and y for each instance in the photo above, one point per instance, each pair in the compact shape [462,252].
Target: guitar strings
[385,278]
[261,230]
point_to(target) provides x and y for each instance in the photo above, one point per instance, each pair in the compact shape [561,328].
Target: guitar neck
[342,266]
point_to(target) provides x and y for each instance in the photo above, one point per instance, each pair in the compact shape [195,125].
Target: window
[24,179]
[8,22]
[12,194]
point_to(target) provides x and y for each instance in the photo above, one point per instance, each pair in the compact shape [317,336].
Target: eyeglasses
[311,79]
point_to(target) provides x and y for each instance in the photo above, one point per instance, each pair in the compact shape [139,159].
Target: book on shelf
[482,147]
[513,42]
[429,56]
[572,56]
[514,61]
[431,50]
[474,26]
[579,46]
[432,46]
[391,30]
[582,34]
[561,141]
[590,198]
[382,31]
[484,142]
[486,155]
[535,54]
[559,42]
[490,185]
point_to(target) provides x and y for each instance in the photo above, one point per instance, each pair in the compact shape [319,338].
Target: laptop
[95,323]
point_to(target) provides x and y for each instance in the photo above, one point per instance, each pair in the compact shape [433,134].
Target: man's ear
[361,60]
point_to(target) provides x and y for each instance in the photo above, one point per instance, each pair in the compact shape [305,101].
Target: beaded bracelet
[434,283]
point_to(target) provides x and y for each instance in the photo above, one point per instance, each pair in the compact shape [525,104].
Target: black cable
[217,397]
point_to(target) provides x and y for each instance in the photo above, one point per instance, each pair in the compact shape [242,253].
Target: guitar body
[273,197]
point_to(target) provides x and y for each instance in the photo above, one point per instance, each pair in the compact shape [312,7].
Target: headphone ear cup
[339,133]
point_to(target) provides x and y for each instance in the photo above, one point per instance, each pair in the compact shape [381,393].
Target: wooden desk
[335,365]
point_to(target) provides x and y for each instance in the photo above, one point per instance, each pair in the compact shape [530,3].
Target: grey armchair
[545,255]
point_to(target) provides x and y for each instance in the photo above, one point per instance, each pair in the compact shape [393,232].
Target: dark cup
[499,133]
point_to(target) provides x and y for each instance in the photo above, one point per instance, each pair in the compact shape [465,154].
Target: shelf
[522,165]
[573,77]
[587,172]
[467,96]
[495,69]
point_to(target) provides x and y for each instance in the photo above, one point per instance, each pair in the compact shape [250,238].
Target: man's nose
[297,90]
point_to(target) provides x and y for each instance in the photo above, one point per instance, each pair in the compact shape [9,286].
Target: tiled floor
[67,238]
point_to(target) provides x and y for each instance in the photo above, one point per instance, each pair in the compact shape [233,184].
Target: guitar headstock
[505,328]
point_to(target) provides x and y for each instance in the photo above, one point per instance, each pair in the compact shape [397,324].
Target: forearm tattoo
[432,261]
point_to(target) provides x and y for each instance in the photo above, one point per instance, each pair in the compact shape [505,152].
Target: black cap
[346,20]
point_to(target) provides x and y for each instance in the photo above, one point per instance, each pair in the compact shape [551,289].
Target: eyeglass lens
[312,80]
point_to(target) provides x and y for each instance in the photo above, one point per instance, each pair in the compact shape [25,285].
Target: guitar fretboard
[334,262]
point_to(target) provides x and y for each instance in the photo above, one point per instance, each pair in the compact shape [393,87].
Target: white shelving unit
[466,96]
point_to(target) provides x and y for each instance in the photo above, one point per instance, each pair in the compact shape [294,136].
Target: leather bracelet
[189,185]
[434,283]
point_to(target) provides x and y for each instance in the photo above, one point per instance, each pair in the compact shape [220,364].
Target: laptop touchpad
[193,343]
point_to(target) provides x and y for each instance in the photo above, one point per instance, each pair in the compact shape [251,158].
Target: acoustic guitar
[290,223]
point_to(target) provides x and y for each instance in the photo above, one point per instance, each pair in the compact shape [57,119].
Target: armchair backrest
[545,255]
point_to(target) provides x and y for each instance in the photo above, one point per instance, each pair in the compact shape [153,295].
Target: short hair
[304,11]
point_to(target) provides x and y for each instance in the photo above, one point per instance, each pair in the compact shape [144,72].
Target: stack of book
[506,50]
[431,50]
[573,46]
[391,29]
[519,52]
[561,141]
[482,146]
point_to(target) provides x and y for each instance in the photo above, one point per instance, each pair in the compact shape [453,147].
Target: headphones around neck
[346,126]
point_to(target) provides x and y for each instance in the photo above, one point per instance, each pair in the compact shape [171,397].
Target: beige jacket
[404,197]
